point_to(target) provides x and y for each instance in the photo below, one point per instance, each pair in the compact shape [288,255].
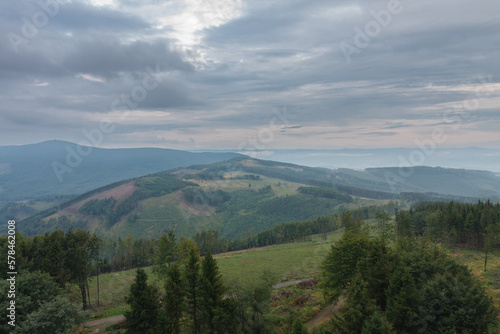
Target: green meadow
[285,263]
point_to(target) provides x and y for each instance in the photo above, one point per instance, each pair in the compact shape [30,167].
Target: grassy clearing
[285,262]
[280,187]
[474,259]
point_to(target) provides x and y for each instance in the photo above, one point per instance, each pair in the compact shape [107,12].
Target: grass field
[285,262]
[475,260]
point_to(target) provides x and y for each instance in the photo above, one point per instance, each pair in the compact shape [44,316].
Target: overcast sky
[229,74]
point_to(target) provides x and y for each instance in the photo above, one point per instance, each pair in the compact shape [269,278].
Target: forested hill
[382,181]
[242,196]
[57,168]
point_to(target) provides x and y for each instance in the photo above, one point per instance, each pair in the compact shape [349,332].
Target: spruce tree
[167,253]
[192,289]
[212,292]
[173,301]
[143,302]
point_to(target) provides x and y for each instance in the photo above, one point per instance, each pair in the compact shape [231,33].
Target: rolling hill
[245,195]
[56,168]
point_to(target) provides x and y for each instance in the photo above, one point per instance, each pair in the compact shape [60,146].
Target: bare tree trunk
[98,270]
[88,291]
[84,295]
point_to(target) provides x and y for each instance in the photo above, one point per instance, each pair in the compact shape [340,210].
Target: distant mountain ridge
[470,158]
[62,168]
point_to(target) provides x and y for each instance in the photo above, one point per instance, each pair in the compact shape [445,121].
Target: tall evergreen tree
[143,302]
[211,292]
[192,289]
[404,226]
[167,253]
[384,227]
[173,301]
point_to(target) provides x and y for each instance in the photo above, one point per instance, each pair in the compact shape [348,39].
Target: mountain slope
[62,168]
[245,194]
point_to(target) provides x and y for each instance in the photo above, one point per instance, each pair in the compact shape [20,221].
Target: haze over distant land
[241,74]
[62,168]
[462,158]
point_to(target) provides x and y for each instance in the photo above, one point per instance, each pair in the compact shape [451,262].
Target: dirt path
[104,321]
[282,285]
[324,315]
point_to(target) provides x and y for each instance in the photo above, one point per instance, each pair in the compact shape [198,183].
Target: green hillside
[232,201]
[56,168]
[237,197]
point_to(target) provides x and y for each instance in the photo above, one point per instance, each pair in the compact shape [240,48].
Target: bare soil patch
[119,193]
[324,315]
[196,210]
[102,323]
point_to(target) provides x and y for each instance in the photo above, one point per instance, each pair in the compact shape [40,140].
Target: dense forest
[457,224]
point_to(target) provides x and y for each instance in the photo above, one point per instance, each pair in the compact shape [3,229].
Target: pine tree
[384,226]
[192,289]
[211,291]
[404,225]
[173,301]
[143,302]
[167,253]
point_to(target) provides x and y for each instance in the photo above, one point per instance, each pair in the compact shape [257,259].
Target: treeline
[367,193]
[252,177]
[325,193]
[456,224]
[210,240]
[287,232]
[433,197]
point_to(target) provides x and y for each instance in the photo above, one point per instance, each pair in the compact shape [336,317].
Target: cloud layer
[231,74]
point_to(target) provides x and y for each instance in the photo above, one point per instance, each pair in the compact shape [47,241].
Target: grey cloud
[380,133]
[278,53]
[81,17]
[108,57]
[72,16]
